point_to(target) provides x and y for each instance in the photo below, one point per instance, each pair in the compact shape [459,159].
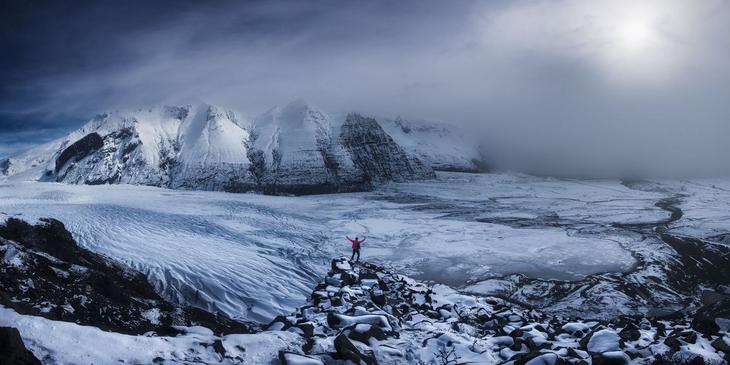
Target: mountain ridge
[296,149]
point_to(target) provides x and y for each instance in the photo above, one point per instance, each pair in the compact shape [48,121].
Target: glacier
[255,256]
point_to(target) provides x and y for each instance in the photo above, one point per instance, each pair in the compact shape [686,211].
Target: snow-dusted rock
[447,328]
[604,341]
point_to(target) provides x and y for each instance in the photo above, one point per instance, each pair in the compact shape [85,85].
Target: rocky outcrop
[375,153]
[12,349]
[79,149]
[4,166]
[367,315]
[43,272]
[443,147]
[298,149]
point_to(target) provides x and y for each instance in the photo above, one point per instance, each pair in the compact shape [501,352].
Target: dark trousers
[355,251]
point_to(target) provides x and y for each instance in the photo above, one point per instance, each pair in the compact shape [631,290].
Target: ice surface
[255,256]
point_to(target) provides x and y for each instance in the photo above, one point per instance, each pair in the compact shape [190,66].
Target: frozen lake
[256,256]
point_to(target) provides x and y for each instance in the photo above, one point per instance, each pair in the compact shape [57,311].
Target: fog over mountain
[600,88]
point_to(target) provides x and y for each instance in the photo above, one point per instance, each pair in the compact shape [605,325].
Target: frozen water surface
[256,256]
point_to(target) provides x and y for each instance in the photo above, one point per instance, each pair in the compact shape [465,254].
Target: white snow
[605,340]
[57,343]
[212,136]
[442,146]
[294,133]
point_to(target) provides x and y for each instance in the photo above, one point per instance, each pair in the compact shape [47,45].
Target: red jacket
[355,243]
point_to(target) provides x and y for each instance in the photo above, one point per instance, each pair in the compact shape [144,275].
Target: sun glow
[635,35]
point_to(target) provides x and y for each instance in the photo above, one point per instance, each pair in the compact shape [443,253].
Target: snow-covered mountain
[296,149]
[444,147]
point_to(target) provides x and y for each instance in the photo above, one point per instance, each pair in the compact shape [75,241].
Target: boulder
[705,324]
[603,341]
[290,358]
[630,332]
[12,349]
[364,332]
[610,358]
[722,344]
[347,351]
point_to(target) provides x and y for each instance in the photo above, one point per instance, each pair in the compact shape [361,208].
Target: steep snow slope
[289,148]
[444,147]
[300,149]
[31,164]
[213,152]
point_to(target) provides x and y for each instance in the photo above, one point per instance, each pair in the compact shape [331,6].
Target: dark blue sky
[62,62]
[567,84]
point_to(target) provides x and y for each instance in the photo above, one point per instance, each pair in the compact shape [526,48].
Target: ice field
[255,256]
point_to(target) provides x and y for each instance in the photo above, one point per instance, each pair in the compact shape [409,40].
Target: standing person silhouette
[355,247]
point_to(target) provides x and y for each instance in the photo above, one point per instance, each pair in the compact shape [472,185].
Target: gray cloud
[565,87]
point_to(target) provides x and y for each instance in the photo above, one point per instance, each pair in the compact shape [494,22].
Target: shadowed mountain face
[297,149]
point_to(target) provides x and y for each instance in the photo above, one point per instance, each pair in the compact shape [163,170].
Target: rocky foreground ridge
[361,314]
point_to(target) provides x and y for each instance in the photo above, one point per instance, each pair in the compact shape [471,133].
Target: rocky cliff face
[297,149]
[289,150]
[443,147]
[375,153]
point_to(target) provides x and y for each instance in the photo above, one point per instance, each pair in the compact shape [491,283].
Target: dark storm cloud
[564,86]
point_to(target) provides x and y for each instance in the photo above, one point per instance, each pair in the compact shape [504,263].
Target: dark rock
[573,353]
[516,333]
[218,347]
[4,166]
[690,337]
[333,320]
[79,149]
[705,324]
[630,332]
[286,323]
[673,343]
[290,358]
[364,337]
[697,360]
[516,345]
[346,350]
[535,347]
[523,358]
[375,152]
[12,349]
[584,341]
[378,299]
[307,328]
[720,345]
[601,359]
